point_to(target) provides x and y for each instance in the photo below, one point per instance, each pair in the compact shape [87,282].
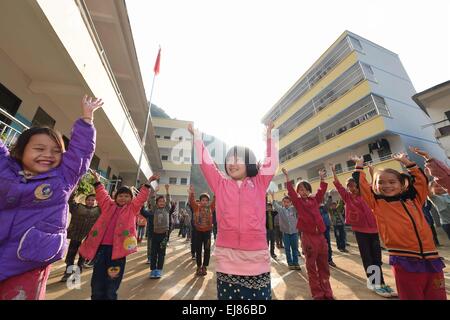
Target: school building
[52,52]
[175,149]
[435,102]
[355,99]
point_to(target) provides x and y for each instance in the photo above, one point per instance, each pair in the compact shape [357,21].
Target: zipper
[415,228]
[239,215]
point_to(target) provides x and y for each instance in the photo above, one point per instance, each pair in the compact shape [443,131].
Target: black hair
[159,197]
[18,148]
[123,189]
[305,184]
[90,195]
[245,153]
[204,195]
[286,198]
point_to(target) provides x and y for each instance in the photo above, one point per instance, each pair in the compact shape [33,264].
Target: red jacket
[309,218]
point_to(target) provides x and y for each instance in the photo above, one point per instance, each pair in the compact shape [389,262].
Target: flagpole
[144,138]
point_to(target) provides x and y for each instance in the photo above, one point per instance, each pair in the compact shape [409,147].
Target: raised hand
[371,169]
[154,177]
[191,189]
[269,128]
[402,157]
[358,160]
[420,152]
[285,173]
[156,189]
[89,106]
[95,175]
[322,174]
[167,187]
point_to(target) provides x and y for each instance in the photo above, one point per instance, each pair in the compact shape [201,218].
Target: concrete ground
[179,282]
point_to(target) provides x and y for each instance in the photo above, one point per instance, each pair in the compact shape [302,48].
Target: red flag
[158,58]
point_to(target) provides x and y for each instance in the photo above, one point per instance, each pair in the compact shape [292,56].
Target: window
[181,204]
[108,172]
[280,186]
[166,137]
[8,102]
[180,138]
[172,180]
[95,162]
[351,165]
[367,158]
[338,168]
[157,136]
[356,44]
[164,158]
[42,119]
[183,181]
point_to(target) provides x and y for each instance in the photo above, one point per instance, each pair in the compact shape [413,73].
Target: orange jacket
[202,216]
[401,222]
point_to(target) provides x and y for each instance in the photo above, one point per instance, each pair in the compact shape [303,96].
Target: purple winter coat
[33,212]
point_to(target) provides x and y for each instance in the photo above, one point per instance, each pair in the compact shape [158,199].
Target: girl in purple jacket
[38,177]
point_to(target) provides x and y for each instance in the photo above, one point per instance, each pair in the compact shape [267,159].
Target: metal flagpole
[145,131]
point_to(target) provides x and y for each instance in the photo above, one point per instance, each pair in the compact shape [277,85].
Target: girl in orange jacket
[397,207]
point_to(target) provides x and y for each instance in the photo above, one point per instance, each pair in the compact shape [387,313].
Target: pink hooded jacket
[440,171]
[240,211]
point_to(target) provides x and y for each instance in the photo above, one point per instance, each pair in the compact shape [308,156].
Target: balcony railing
[338,54]
[344,83]
[10,132]
[355,115]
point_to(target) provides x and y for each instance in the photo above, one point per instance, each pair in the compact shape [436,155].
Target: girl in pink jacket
[113,237]
[439,170]
[241,253]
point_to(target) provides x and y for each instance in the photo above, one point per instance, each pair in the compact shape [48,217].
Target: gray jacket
[288,218]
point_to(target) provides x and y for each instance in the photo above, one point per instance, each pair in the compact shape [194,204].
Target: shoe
[274,256]
[297,267]
[381,292]
[147,262]
[199,271]
[153,274]
[291,267]
[193,258]
[204,272]
[159,273]
[65,277]
[389,290]
[331,263]
[89,264]
[345,250]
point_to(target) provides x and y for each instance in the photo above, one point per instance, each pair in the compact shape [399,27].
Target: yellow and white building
[52,52]
[355,99]
[175,148]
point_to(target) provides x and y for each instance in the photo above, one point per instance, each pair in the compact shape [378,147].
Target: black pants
[327,237]
[435,238]
[193,241]
[370,251]
[271,241]
[446,228]
[72,253]
[202,241]
[107,274]
[339,233]
[159,243]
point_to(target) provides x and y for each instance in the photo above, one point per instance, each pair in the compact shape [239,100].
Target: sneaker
[89,264]
[147,262]
[159,273]
[382,292]
[204,271]
[153,274]
[291,267]
[297,267]
[65,277]
[274,256]
[345,250]
[389,290]
[199,271]
[193,258]
[331,263]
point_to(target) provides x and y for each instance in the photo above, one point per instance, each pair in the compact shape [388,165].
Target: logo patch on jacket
[130,243]
[43,192]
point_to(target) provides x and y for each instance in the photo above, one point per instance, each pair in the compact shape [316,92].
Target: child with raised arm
[203,224]
[403,228]
[37,178]
[288,218]
[312,227]
[360,217]
[161,211]
[242,258]
[113,237]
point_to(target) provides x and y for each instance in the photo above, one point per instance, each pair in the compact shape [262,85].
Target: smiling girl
[38,177]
